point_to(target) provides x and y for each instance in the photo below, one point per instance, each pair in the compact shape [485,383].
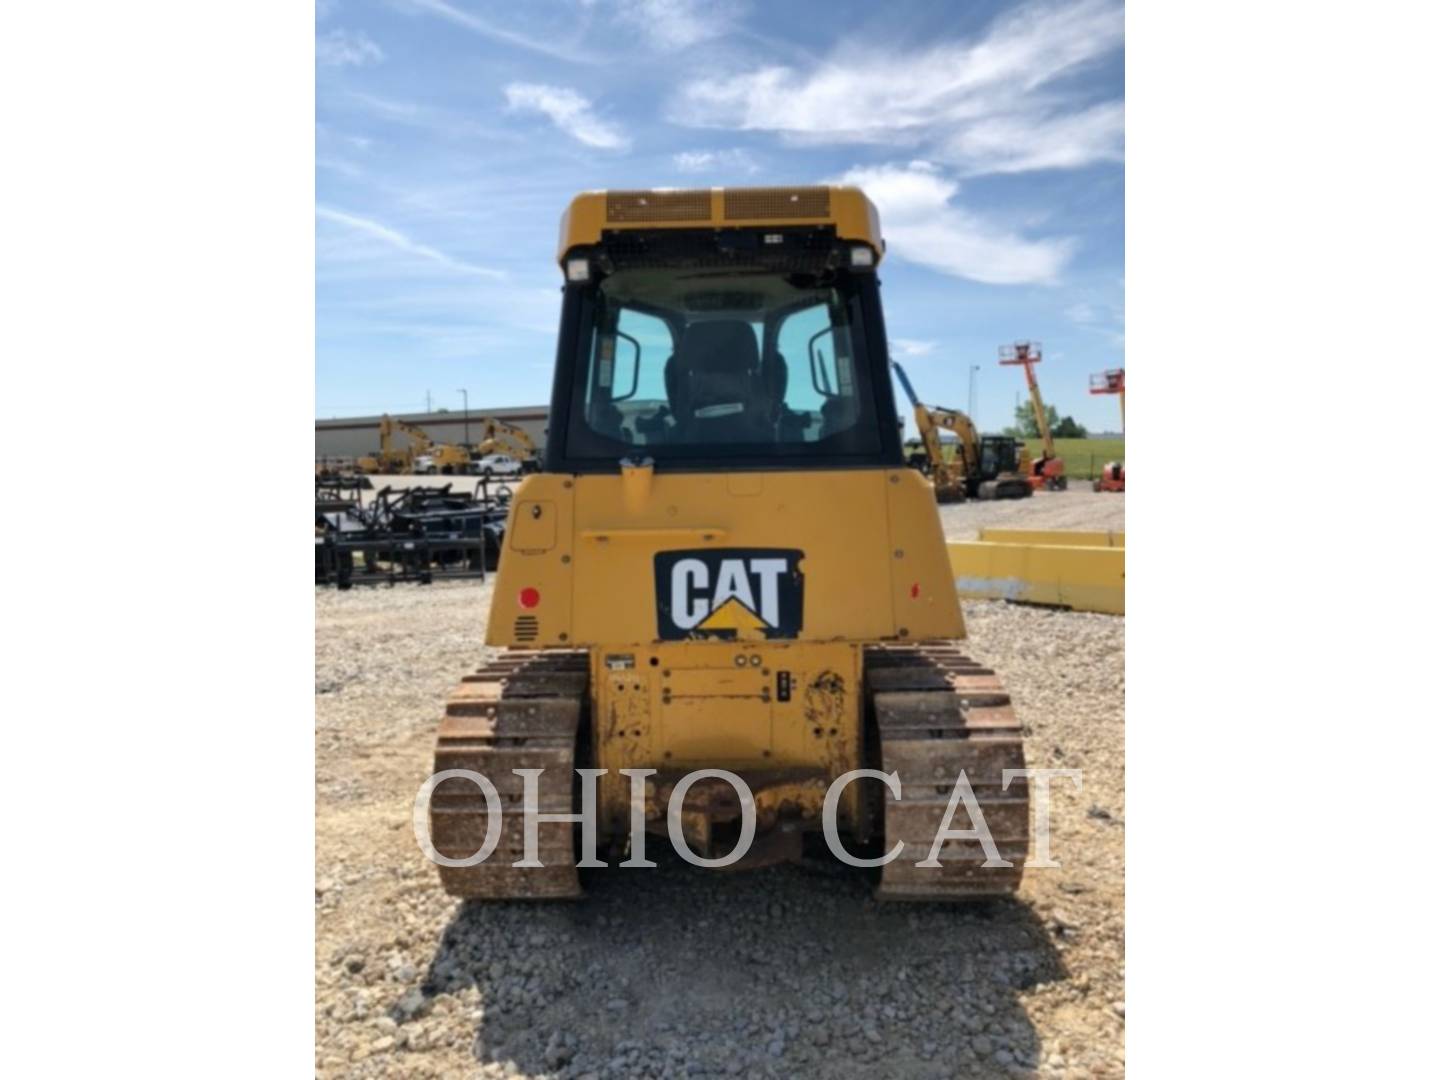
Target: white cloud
[568,111]
[909,348]
[922,225]
[1103,318]
[398,240]
[1010,144]
[485,28]
[709,161]
[675,24]
[986,105]
[341,48]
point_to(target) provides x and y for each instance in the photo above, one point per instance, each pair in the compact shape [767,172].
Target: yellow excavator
[725,592]
[498,437]
[451,459]
[395,458]
[982,467]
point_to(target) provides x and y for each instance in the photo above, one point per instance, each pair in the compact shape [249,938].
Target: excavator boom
[499,437]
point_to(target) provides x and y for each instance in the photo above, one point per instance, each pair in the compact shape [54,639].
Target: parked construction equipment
[1049,471]
[407,534]
[396,457]
[498,437]
[725,564]
[340,473]
[497,440]
[981,467]
[1112,478]
[446,459]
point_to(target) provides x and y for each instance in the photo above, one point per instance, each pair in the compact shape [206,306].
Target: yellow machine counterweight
[724,564]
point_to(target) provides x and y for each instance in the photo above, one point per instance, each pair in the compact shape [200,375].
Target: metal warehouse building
[353,436]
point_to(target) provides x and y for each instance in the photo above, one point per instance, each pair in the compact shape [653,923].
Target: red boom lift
[1112,477]
[1049,471]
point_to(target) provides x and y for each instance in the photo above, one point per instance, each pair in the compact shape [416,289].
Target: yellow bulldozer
[725,592]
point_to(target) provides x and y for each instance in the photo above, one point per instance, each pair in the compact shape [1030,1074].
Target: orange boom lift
[1049,471]
[1112,477]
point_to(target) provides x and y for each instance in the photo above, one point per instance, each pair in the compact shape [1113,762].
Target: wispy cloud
[909,348]
[922,224]
[398,240]
[677,24]
[340,165]
[710,161]
[983,106]
[568,111]
[479,25]
[347,48]
[1021,143]
[438,123]
[1105,318]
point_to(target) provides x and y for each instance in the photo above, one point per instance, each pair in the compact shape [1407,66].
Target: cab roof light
[861,255]
[577,269]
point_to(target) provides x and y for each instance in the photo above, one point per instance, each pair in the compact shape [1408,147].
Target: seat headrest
[719,347]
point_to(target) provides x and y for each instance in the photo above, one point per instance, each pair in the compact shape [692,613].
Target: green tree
[1065,427]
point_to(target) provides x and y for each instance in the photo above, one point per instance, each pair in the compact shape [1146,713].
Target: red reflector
[529,597]
[915,591]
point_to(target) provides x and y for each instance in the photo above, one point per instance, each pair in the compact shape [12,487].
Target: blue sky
[450,134]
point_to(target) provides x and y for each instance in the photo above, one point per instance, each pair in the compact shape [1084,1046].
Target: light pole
[465,394]
[974,370]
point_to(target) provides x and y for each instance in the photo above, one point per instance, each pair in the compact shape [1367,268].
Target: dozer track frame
[931,712]
[522,710]
[937,712]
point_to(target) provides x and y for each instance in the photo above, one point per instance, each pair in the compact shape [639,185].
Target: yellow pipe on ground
[1083,577]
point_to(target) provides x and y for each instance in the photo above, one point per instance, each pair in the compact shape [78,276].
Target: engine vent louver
[770,204]
[527,628]
[624,206]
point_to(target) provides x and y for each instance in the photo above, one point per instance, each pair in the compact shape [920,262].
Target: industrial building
[351,437]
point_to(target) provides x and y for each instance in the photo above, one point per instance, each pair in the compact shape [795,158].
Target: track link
[522,710]
[936,712]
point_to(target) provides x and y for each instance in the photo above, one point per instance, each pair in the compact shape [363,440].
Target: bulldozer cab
[716,353]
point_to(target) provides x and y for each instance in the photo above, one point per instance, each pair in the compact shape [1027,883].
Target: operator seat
[715,387]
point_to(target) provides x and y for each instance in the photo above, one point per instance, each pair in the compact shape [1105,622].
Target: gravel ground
[1076,508]
[678,971]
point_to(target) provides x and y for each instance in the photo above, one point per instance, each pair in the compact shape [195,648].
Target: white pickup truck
[496,465]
